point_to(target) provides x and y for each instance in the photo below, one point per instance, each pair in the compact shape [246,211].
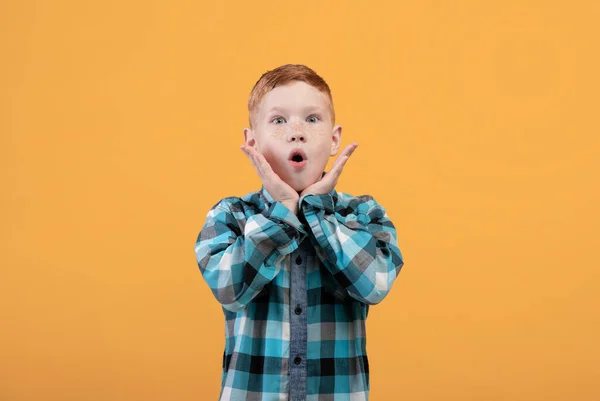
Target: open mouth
[297,158]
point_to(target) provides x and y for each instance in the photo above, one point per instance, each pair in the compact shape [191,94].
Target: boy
[296,265]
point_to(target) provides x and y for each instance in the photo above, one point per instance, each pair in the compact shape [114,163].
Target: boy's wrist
[291,206]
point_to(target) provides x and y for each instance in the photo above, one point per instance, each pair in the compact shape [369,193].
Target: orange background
[477,125]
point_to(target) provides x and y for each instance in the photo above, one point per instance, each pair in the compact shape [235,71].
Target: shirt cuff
[278,211]
[321,201]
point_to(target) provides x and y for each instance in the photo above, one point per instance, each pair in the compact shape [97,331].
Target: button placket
[298,261]
[298,323]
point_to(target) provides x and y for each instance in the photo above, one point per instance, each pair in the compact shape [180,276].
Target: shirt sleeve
[238,254]
[360,249]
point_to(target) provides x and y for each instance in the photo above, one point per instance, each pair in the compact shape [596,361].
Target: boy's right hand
[279,189]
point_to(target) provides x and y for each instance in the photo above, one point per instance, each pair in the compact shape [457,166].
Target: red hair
[281,76]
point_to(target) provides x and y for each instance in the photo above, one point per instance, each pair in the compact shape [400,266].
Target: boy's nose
[296,133]
[297,136]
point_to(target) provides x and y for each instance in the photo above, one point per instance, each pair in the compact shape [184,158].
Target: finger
[266,171]
[337,168]
[350,149]
[264,164]
[253,160]
[331,178]
[261,162]
[340,165]
[252,154]
[247,153]
[344,156]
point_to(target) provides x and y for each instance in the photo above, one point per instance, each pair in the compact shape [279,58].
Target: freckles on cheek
[277,133]
[319,131]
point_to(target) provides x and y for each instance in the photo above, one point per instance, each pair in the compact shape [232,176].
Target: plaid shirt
[295,291]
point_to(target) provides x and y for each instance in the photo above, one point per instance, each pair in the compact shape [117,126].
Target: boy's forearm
[364,246]
[229,247]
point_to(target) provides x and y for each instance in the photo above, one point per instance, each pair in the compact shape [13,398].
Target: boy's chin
[300,187]
[297,188]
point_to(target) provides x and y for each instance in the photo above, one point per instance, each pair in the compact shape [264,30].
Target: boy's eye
[313,118]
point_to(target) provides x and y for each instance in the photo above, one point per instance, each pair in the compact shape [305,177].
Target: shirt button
[298,310]
[298,260]
[297,360]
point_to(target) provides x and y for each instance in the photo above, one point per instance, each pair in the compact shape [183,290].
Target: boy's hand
[329,181]
[279,189]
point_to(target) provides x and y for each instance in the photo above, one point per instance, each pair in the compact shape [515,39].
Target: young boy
[296,265]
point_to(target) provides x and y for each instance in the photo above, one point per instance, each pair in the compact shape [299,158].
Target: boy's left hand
[329,181]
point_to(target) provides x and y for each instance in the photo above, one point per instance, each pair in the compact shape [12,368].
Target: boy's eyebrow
[307,108]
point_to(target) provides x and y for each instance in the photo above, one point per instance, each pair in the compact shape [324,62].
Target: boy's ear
[336,137]
[249,137]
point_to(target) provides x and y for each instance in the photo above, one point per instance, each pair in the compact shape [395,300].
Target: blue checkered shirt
[295,291]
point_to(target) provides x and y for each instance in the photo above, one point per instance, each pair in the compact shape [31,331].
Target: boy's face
[295,116]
